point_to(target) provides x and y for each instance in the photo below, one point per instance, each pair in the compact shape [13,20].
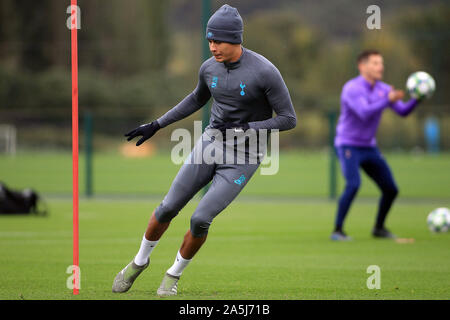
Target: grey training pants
[227,181]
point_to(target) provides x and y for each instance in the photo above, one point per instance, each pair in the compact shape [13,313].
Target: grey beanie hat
[225,25]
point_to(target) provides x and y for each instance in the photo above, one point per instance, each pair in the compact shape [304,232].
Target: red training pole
[74,41]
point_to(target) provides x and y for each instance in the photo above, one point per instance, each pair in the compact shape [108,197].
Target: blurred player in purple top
[363,101]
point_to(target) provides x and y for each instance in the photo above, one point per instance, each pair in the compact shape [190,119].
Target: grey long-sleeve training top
[245,91]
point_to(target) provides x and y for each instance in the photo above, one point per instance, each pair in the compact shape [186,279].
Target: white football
[420,84]
[439,220]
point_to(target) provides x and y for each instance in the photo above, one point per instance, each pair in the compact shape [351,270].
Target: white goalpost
[8,139]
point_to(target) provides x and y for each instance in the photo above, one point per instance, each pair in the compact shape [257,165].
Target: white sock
[144,251]
[178,265]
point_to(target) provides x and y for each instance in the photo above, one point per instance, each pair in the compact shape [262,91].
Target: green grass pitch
[260,247]
[303,174]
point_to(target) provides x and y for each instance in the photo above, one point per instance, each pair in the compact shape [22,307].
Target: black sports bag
[25,201]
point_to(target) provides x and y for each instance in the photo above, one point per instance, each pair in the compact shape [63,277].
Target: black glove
[229,125]
[420,99]
[146,131]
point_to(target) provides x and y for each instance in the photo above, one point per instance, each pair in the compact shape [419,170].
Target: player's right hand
[146,131]
[395,95]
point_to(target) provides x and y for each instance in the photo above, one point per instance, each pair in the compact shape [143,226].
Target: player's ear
[360,66]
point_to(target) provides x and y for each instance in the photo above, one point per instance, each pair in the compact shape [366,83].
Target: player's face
[373,67]
[222,51]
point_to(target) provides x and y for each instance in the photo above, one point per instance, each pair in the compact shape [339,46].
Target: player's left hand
[420,99]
